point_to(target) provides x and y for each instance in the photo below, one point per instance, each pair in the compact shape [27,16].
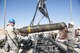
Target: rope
[46,13]
[32,22]
[40,20]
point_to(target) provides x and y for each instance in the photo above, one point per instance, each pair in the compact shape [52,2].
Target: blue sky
[23,10]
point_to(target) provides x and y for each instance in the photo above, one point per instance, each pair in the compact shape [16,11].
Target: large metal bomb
[42,28]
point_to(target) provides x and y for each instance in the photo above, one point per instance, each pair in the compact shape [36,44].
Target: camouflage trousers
[12,46]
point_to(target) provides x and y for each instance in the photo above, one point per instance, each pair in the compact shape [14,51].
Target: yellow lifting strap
[29,30]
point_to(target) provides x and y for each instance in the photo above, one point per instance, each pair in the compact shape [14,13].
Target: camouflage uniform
[11,39]
[71,39]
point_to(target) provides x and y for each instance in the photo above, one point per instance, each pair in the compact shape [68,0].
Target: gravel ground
[30,51]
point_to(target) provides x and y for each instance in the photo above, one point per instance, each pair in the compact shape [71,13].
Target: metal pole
[4,13]
[71,9]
